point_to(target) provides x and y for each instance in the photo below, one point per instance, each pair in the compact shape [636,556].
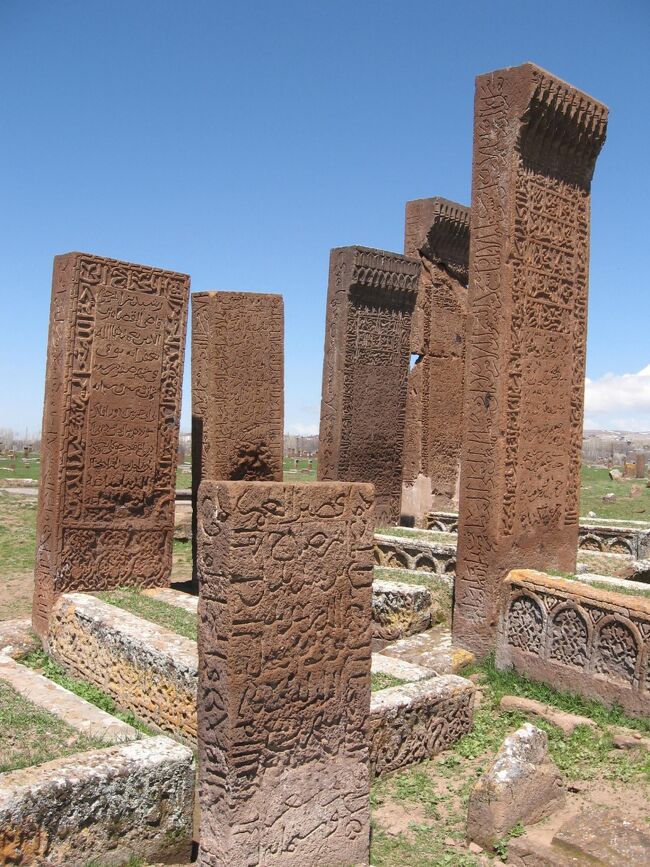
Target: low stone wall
[399,609]
[577,638]
[444,522]
[415,721]
[147,669]
[416,554]
[103,806]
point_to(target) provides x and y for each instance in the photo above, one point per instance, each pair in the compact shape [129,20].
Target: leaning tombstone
[536,140]
[436,233]
[110,428]
[370,302]
[284,673]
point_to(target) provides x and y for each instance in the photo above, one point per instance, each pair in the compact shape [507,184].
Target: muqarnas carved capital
[536,140]
[370,302]
[110,427]
[284,672]
[437,233]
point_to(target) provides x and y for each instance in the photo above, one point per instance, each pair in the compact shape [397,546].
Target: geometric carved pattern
[535,146]
[525,624]
[284,672]
[436,233]
[110,427]
[592,641]
[616,652]
[237,388]
[569,638]
[370,302]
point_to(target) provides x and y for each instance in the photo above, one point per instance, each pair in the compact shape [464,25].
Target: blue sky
[240,141]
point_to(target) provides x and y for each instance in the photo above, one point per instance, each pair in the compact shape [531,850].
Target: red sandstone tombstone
[370,302]
[436,233]
[237,388]
[284,673]
[110,428]
[536,140]
[640,465]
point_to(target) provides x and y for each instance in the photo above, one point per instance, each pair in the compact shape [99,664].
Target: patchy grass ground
[181,561]
[170,616]
[19,468]
[419,814]
[425,535]
[183,479]
[43,664]
[30,735]
[596,483]
[17,546]
[440,591]
[298,469]
[379,680]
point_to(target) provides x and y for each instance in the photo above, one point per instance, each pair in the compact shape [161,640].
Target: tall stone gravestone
[284,673]
[370,302]
[110,428]
[536,140]
[436,233]
[237,388]
[640,465]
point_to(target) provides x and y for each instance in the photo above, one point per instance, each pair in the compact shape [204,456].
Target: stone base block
[415,721]
[147,669]
[104,807]
[432,649]
[399,609]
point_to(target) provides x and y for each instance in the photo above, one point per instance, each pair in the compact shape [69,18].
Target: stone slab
[399,668]
[604,836]
[145,668]
[577,638]
[415,721]
[370,301]
[536,141]
[75,711]
[187,601]
[432,650]
[284,672]
[110,428]
[17,638]
[104,806]
[399,609]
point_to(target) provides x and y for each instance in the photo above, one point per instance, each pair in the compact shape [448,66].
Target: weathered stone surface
[419,555]
[103,806]
[523,785]
[536,140]
[436,233]
[399,668]
[603,836]
[110,428]
[567,722]
[399,609]
[578,638]
[237,388]
[432,650]
[284,672]
[414,721]
[186,601]
[146,668]
[370,302]
[76,712]
[17,638]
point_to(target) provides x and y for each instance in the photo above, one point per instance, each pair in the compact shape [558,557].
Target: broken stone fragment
[523,785]
[604,836]
[566,722]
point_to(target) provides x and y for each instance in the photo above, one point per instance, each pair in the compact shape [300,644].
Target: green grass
[440,788]
[17,533]
[303,474]
[422,535]
[595,483]
[379,680]
[41,662]
[183,480]
[170,616]
[642,591]
[18,468]
[30,735]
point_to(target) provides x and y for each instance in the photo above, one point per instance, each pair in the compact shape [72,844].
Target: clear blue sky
[240,141]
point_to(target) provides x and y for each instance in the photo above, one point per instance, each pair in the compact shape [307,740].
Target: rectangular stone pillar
[284,673]
[436,233]
[237,389]
[640,465]
[370,301]
[536,140]
[110,427]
